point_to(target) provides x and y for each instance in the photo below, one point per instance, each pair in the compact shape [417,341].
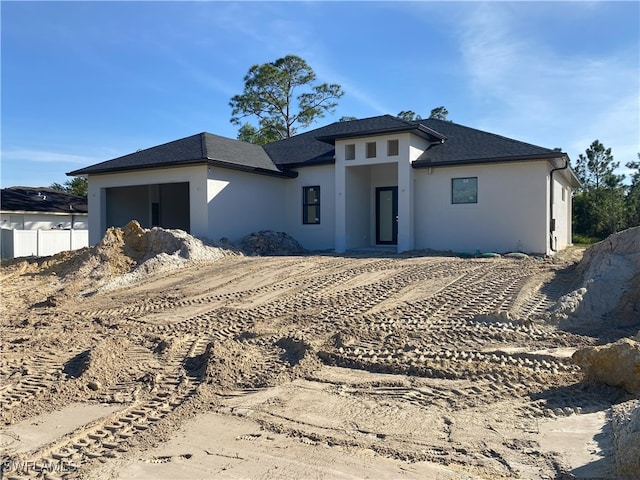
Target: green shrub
[584,239]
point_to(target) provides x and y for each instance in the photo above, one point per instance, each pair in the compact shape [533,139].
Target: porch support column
[340,244]
[405,205]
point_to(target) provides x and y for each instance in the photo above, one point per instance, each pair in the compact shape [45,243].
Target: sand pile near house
[610,272]
[159,250]
[127,255]
[268,242]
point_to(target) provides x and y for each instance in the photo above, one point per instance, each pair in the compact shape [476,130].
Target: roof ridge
[203,145]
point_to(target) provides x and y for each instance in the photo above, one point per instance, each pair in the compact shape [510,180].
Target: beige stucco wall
[240,203]
[562,211]
[511,213]
[312,237]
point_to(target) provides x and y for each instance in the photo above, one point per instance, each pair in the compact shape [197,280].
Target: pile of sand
[616,364]
[626,437]
[103,365]
[609,299]
[234,364]
[268,242]
[127,255]
[610,273]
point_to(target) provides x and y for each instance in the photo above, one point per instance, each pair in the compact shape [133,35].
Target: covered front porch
[374,207]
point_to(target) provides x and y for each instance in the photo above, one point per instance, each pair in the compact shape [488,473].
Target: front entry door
[387,215]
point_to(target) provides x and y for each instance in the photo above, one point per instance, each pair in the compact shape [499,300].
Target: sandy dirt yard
[366,365]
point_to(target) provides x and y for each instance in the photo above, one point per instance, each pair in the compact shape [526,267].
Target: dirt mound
[234,365]
[616,364]
[626,434]
[610,272]
[103,365]
[268,242]
[126,255]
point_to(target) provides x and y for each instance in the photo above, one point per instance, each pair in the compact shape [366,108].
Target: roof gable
[31,199]
[317,146]
[201,148]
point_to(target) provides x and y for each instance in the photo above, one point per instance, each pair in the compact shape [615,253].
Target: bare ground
[300,367]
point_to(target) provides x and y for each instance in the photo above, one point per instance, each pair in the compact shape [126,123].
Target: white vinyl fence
[41,243]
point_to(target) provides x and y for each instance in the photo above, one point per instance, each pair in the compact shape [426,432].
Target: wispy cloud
[43,156]
[531,87]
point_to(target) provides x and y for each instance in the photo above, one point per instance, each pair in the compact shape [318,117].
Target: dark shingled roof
[31,199]
[468,145]
[452,144]
[201,148]
[317,146]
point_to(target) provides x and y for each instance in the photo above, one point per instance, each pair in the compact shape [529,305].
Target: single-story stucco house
[377,181]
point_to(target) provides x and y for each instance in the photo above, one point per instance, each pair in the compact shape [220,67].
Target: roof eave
[473,161]
[310,163]
[96,171]
[419,130]
[258,170]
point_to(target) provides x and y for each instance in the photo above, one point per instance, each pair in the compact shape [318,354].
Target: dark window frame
[456,194]
[305,204]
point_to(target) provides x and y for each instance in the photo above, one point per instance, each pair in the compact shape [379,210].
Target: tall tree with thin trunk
[283,96]
[600,202]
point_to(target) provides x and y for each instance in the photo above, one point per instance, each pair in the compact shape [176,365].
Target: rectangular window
[311,205]
[350,152]
[464,190]
[392,148]
[562,189]
[371,149]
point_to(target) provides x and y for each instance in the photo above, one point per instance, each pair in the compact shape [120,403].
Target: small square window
[311,205]
[371,149]
[464,190]
[350,152]
[392,148]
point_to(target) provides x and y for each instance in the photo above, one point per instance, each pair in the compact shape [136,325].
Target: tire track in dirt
[109,437]
[441,336]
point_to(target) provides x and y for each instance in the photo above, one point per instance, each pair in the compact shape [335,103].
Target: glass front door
[387,215]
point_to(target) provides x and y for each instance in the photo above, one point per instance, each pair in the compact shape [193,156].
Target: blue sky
[84,82]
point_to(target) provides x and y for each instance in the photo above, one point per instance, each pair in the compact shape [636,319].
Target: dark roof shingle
[451,144]
[467,145]
[32,199]
[200,148]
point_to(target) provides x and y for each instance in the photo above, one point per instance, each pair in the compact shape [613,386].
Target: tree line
[604,203]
